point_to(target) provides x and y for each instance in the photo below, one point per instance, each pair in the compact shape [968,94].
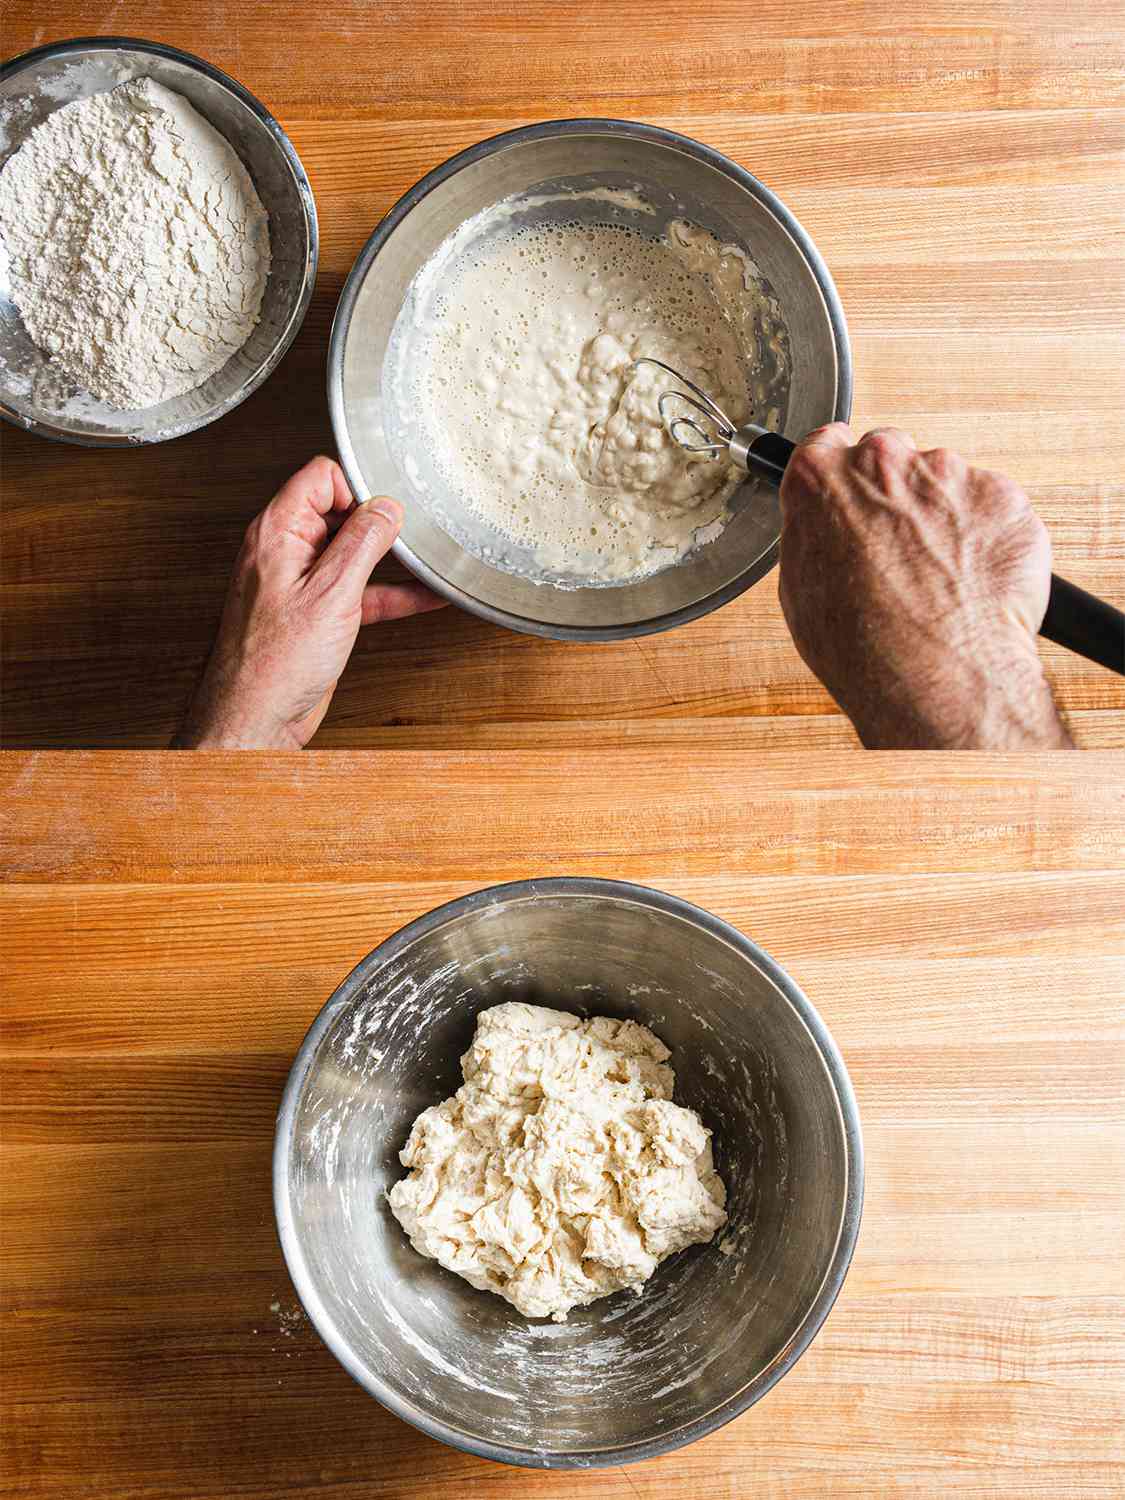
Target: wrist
[228,717]
[994,701]
[224,735]
[231,734]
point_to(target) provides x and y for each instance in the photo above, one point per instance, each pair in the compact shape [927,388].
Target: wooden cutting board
[172,925]
[962,169]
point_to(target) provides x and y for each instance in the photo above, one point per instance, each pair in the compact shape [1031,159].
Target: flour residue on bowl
[513,367]
[711,1321]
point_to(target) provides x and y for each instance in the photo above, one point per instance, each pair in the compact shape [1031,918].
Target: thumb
[365,537]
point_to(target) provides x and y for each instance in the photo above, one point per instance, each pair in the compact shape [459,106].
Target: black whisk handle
[1083,623]
[766,453]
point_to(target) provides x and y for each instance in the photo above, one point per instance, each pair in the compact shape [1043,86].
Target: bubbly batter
[522,348]
[561,1171]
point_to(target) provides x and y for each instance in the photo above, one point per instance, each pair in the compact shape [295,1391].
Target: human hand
[298,597]
[914,586]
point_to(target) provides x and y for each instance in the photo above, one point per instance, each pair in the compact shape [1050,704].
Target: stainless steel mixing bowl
[32,394]
[679,178]
[630,1376]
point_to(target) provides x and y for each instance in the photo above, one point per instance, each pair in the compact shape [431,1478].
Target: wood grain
[410,815]
[960,167]
[172,924]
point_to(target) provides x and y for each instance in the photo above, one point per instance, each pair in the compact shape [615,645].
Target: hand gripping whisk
[1081,622]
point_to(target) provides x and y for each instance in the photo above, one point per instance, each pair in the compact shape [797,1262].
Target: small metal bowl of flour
[35,392]
[631,1375]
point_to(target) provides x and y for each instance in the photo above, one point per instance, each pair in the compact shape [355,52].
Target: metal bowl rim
[413,196]
[304,190]
[654,900]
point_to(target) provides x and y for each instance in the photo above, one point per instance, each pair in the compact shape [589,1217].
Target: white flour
[138,248]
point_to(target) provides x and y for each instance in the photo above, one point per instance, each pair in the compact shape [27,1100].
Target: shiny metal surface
[716,441]
[628,1377]
[742,441]
[681,178]
[720,437]
[34,85]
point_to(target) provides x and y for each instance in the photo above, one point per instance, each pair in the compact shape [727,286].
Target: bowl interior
[629,1375]
[31,391]
[575,156]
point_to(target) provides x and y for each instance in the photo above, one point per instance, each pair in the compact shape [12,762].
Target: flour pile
[138,248]
[560,1172]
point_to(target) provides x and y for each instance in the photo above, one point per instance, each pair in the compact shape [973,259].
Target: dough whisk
[753,448]
[1081,622]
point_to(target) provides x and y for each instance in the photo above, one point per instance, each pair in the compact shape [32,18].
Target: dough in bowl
[560,1171]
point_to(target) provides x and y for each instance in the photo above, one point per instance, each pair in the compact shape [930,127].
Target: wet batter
[529,403]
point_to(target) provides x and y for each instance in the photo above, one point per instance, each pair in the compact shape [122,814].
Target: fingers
[286,537]
[365,536]
[316,489]
[839,435]
[946,471]
[890,434]
[395,601]
[834,435]
[812,460]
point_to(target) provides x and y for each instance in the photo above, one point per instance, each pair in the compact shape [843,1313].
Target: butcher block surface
[960,167]
[172,925]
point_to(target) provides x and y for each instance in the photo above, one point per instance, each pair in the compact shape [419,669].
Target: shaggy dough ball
[560,1171]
